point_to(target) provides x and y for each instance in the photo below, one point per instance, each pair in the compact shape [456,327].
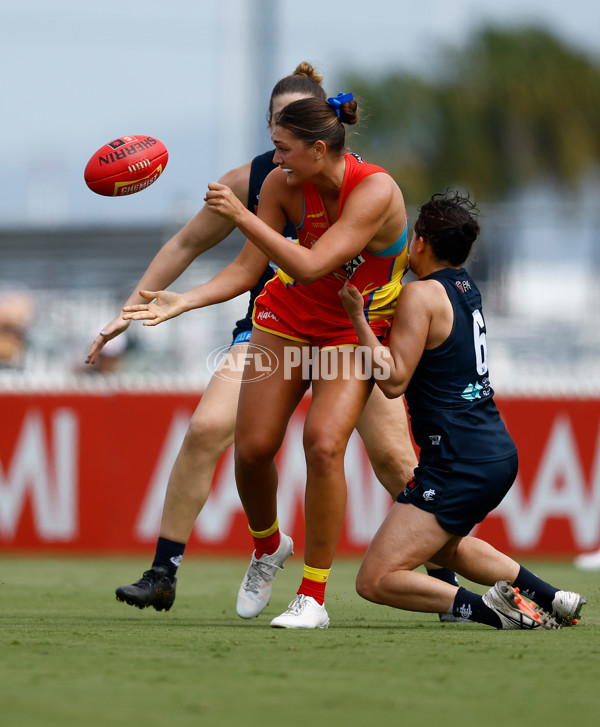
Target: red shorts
[307,321]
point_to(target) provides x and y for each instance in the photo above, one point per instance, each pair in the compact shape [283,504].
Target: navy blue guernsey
[260,167]
[450,401]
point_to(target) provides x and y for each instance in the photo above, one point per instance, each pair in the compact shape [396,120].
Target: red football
[125,166]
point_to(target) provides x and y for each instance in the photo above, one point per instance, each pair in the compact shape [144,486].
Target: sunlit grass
[72,655]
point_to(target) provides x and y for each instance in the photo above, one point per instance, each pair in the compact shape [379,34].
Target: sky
[197,75]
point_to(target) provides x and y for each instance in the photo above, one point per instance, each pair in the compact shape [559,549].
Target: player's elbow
[390,375]
[391,390]
[310,274]
[307,279]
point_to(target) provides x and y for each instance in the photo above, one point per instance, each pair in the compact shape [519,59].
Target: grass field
[72,656]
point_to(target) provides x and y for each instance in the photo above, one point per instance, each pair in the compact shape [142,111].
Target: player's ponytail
[345,108]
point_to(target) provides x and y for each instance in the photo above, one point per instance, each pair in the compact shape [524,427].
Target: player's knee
[366,585]
[209,433]
[252,453]
[368,581]
[323,452]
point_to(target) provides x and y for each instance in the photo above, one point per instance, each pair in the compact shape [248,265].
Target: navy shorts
[460,494]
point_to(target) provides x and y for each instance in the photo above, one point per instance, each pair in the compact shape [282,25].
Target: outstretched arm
[238,277]
[202,232]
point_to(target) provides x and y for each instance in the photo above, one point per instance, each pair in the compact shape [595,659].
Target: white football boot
[566,607]
[302,613]
[255,592]
[514,611]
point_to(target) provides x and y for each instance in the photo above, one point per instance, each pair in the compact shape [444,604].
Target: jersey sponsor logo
[319,225]
[472,392]
[435,439]
[351,266]
[429,495]
[463,285]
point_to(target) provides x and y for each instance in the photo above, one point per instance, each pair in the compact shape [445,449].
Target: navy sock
[168,554]
[470,605]
[535,588]
[443,574]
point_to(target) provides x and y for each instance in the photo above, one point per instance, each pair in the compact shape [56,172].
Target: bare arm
[364,214]
[238,277]
[202,232]
[419,304]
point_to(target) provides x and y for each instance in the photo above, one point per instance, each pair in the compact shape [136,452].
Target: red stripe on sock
[314,589]
[266,545]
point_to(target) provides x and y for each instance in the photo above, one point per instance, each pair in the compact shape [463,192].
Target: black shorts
[460,494]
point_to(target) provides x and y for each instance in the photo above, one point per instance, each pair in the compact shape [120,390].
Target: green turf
[73,656]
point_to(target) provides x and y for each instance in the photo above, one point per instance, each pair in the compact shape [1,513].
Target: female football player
[468,461]
[211,428]
[351,223]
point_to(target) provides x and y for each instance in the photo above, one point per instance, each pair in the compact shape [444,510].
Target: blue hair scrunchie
[339,100]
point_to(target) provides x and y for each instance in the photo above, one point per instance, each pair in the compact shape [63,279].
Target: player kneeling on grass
[437,357]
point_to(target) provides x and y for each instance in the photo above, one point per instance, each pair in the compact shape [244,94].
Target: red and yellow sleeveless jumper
[314,313]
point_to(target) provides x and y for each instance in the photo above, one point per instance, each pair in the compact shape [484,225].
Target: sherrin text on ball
[126,165]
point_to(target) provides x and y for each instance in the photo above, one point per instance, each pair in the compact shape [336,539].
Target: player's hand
[352,300]
[221,200]
[163,305]
[113,329]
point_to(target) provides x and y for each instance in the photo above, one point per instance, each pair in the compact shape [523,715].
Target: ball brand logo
[120,142]
[126,165]
[230,363]
[120,151]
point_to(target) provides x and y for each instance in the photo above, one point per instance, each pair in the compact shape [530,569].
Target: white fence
[537,265]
